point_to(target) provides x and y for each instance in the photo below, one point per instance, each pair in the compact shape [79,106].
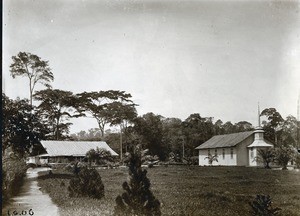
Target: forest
[26,123]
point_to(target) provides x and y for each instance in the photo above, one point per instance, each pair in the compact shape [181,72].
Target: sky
[216,58]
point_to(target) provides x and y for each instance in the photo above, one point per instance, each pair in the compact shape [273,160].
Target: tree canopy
[107,107]
[32,67]
[21,129]
[56,108]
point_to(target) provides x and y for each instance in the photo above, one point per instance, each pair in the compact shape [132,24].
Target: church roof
[73,148]
[227,140]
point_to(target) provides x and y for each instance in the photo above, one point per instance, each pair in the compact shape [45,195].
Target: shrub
[266,156]
[137,198]
[74,167]
[262,206]
[283,155]
[13,172]
[100,155]
[87,183]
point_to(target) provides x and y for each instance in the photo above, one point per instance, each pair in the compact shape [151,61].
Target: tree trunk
[57,129]
[30,92]
[121,144]
[101,127]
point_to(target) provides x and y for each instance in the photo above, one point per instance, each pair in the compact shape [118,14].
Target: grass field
[184,190]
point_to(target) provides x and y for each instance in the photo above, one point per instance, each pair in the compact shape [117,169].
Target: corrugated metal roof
[73,148]
[227,140]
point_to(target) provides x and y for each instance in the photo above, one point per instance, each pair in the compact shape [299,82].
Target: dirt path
[30,200]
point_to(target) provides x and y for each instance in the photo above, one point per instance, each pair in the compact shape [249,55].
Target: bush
[137,198]
[13,172]
[87,183]
[283,155]
[100,156]
[262,206]
[74,167]
[266,156]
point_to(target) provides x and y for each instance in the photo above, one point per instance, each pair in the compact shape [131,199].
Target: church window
[223,153]
[231,153]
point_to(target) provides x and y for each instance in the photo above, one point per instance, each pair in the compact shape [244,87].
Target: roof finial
[259,126]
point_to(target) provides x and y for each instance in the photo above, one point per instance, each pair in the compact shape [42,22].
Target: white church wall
[226,156]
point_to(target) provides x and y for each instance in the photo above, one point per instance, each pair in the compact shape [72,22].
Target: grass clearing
[184,190]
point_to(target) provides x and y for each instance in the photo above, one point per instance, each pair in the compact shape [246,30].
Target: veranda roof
[73,148]
[227,140]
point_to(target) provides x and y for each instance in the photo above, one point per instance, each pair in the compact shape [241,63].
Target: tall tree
[173,138]
[273,124]
[150,129]
[32,67]
[197,130]
[219,127]
[57,107]
[289,131]
[99,105]
[243,126]
[121,114]
[229,127]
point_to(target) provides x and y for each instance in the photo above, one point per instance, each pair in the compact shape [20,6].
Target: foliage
[273,124]
[21,129]
[33,67]
[211,158]
[74,167]
[56,108]
[100,155]
[289,134]
[13,171]
[266,156]
[105,106]
[93,134]
[173,138]
[146,158]
[150,130]
[174,157]
[196,130]
[262,206]
[137,198]
[283,155]
[87,183]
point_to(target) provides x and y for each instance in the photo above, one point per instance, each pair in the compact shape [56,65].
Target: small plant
[262,206]
[100,156]
[266,156]
[87,183]
[211,158]
[137,198]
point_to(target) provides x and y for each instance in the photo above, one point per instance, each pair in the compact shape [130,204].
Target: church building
[236,149]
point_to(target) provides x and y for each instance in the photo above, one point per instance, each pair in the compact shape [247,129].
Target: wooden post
[183,148]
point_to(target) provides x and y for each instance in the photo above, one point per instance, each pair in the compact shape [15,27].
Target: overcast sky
[216,58]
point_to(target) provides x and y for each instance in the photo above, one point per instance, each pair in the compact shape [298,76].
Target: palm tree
[211,158]
[266,156]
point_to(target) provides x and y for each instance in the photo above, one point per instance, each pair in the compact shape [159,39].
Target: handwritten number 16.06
[23,212]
